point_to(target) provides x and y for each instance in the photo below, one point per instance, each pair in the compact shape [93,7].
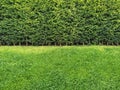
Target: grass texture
[60,68]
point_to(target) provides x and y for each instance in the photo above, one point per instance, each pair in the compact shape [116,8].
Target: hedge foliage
[59,22]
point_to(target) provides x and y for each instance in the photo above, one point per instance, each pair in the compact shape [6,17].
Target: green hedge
[59,22]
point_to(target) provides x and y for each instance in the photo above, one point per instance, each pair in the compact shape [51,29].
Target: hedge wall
[59,22]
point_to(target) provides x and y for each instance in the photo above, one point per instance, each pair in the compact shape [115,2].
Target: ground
[60,68]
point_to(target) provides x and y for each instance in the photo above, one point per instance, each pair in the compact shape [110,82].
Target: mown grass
[60,68]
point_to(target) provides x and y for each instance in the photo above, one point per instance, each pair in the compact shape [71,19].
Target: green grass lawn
[60,68]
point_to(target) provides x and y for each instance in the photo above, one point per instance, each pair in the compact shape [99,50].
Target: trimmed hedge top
[59,22]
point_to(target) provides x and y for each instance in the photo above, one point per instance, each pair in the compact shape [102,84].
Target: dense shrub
[59,22]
